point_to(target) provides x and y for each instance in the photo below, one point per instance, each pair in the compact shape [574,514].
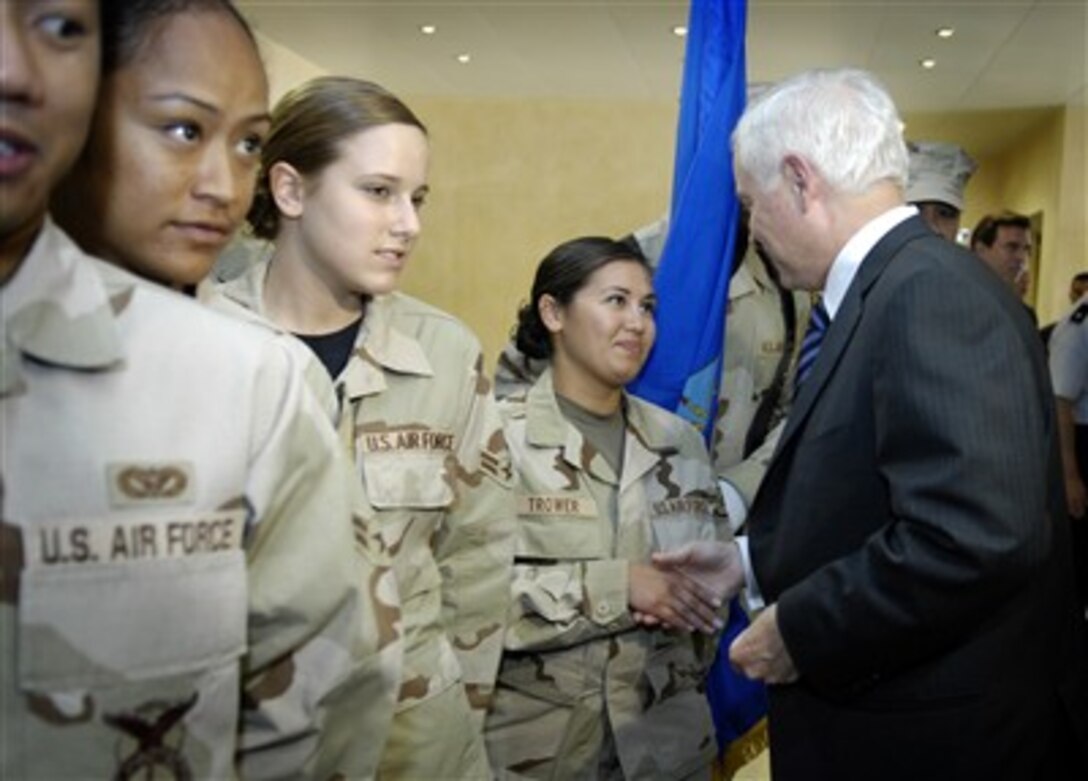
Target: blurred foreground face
[174,151]
[49,53]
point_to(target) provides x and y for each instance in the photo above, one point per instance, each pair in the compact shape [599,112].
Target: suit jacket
[910,528]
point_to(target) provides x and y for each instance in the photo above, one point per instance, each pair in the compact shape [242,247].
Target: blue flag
[684,370]
[692,280]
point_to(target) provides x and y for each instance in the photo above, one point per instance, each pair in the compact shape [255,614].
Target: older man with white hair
[909,538]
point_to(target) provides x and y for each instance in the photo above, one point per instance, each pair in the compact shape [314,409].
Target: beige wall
[285,68]
[1071,236]
[510,179]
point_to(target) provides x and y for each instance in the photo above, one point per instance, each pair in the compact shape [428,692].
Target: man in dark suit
[909,540]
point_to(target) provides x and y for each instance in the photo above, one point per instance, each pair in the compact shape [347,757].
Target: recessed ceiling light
[428,29]
[679,30]
[465,58]
[946,32]
[928,63]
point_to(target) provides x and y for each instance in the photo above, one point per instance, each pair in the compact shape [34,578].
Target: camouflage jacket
[419,418]
[755,337]
[176,575]
[574,658]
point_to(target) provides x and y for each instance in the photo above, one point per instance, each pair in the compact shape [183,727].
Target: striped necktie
[814,336]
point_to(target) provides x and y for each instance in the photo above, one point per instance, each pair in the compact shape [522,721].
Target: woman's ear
[288,189]
[551,313]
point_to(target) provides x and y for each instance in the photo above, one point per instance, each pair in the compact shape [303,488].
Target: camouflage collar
[57,311]
[751,278]
[545,426]
[245,290]
[645,429]
[380,346]
[388,346]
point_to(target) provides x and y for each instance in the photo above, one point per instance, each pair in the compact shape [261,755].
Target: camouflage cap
[938,172]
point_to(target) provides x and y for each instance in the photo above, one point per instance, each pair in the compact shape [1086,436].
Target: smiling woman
[590,686]
[184,95]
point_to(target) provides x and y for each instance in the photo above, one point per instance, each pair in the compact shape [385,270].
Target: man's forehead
[1013,233]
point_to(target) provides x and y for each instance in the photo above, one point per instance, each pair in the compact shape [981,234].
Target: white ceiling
[1005,54]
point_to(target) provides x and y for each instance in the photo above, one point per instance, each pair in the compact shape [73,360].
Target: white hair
[842,121]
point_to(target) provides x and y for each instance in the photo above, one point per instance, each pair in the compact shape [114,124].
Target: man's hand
[760,653]
[660,597]
[714,567]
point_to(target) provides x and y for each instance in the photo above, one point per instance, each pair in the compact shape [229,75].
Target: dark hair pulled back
[561,274]
[308,125]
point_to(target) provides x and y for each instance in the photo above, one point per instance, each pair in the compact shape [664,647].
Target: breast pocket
[130,597]
[130,627]
[99,625]
[406,479]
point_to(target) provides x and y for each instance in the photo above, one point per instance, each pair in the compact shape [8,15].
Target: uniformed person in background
[1078,286]
[936,179]
[1069,375]
[175,529]
[589,687]
[343,178]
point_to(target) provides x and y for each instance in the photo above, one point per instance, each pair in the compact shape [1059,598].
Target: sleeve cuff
[735,505]
[754,595]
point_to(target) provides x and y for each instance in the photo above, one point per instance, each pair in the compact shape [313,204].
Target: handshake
[685,588]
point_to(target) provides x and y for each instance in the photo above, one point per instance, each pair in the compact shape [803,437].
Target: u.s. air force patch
[114,540]
[407,439]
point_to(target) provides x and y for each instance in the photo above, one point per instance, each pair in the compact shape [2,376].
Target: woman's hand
[714,568]
[668,598]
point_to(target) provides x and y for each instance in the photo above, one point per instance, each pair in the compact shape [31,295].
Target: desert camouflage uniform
[176,574]
[419,418]
[581,687]
[210,294]
[755,337]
